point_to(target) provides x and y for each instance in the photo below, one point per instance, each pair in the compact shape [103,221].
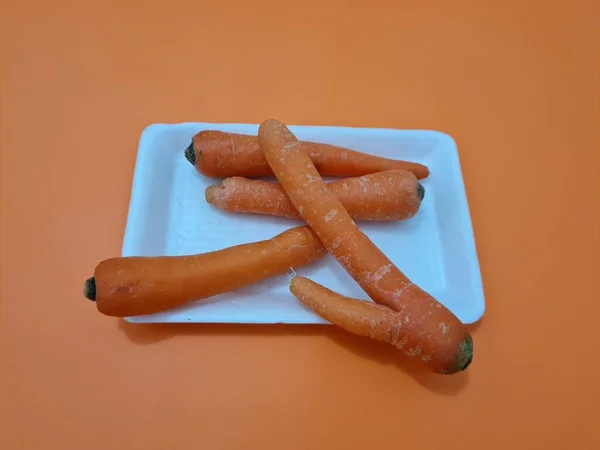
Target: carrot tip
[466,355]
[190,154]
[89,289]
[421,191]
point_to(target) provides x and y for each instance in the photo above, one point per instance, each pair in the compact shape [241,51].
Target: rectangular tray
[168,215]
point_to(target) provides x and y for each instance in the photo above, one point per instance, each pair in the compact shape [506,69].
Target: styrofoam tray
[168,215]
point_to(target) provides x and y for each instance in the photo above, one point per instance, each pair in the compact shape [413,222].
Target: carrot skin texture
[381,196]
[132,286]
[363,318]
[221,155]
[433,328]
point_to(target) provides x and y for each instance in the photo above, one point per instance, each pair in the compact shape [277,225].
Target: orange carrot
[375,321]
[220,155]
[134,286]
[431,328]
[389,195]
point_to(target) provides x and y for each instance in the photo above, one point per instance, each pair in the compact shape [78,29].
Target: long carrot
[220,155]
[389,195]
[431,327]
[134,286]
[372,320]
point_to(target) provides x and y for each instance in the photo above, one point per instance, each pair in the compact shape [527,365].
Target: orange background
[516,84]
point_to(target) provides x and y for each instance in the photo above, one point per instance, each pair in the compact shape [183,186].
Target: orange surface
[516,84]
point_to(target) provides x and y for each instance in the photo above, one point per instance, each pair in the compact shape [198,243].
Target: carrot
[220,155]
[431,327]
[377,322]
[389,195]
[134,286]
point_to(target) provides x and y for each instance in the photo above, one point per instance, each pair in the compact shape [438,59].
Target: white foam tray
[169,216]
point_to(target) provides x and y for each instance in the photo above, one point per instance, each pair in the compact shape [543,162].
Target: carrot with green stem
[430,328]
[365,318]
[133,286]
[220,155]
[382,196]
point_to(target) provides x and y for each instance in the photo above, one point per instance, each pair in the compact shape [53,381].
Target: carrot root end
[466,355]
[89,289]
[421,191]
[190,154]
